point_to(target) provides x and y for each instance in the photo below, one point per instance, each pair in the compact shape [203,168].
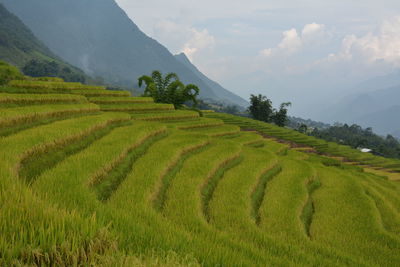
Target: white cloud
[183,38]
[372,48]
[293,41]
[200,40]
[314,33]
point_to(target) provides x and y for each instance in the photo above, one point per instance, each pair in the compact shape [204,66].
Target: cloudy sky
[305,51]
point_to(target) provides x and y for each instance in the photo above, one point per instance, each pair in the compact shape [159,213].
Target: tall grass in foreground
[46,235]
[15,100]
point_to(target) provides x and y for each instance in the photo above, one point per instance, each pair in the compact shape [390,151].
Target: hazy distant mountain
[386,121]
[379,109]
[223,94]
[97,36]
[377,83]
[18,45]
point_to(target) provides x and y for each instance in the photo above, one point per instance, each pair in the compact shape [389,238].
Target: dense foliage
[296,123]
[169,90]
[217,106]
[17,43]
[357,137]
[80,186]
[8,73]
[261,109]
[42,68]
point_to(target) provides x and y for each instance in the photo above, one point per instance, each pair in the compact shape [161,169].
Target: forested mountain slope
[20,47]
[98,37]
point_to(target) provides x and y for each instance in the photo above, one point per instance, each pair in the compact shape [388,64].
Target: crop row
[51,85]
[46,235]
[84,92]
[122,100]
[166,116]
[14,100]
[201,123]
[321,145]
[134,107]
[217,131]
[12,119]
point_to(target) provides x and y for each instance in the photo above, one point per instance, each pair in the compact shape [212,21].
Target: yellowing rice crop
[152,186]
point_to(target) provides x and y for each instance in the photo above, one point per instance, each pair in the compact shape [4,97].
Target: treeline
[8,73]
[36,68]
[357,137]
[261,109]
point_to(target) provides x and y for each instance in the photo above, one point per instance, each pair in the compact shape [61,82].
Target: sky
[309,52]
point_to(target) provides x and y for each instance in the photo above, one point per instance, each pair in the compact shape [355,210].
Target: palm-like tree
[169,89]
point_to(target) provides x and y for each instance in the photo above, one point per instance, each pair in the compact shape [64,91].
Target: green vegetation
[357,137]
[15,100]
[169,89]
[20,47]
[295,138]
[8,73]
[261,109]
[36,68]
[154,186]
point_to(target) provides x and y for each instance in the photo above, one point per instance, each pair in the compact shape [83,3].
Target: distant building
[365,150]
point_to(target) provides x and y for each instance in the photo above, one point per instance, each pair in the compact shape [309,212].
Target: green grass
[15,100]
[258,193]
[166,116]
[51,85]
[84,92]
[321,146]
[217,131]
[35,164]
[136,107]
[154,186]
[122,100]
[201,123]
[21,117]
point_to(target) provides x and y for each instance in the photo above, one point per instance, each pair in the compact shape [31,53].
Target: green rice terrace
[93,177]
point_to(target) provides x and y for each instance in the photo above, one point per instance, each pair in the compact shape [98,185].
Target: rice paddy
[93,177]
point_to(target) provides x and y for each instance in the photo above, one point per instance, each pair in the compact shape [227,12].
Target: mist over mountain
[378,108]
[98,37]
[222,94]
[20,47]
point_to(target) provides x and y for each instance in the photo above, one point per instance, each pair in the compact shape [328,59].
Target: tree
[303,128]
[169,90]
[280,116]
[260,108]
[44,68]
[8,73]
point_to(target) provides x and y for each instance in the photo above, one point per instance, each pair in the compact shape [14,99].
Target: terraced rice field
[91,177]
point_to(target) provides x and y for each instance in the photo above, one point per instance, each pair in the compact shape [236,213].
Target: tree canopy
[42,68]
[357,137]
[8,73]
[169,89]
[261,109]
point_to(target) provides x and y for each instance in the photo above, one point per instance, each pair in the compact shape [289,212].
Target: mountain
[101,39]
[386,121]
[223,94]
[378,109]
[20,47]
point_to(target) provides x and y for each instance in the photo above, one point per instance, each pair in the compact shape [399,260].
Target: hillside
[369,109]
[92,177]
[20,47]
[98,37]
[223,95]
